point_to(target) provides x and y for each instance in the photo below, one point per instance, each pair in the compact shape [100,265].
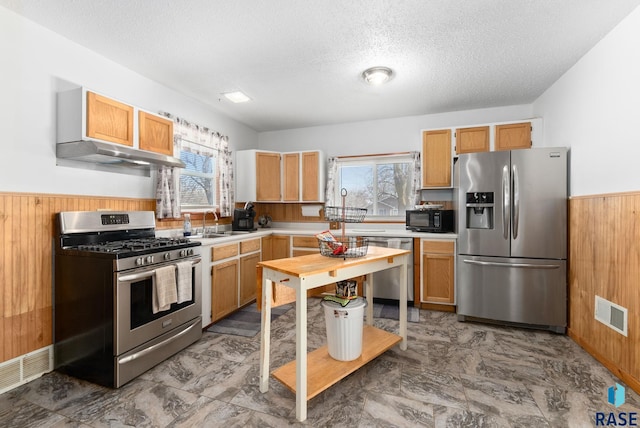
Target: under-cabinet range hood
[113,154]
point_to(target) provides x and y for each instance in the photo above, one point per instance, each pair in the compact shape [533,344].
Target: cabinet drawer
[305,241]
[224,252]
[249,246]
[297,253]
[438,247]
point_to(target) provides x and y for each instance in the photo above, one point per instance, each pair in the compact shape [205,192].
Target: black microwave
[436,221]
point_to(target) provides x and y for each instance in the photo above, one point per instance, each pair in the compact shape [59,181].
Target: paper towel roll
[311,210]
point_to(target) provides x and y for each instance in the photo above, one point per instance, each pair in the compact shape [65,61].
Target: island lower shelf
[323,371]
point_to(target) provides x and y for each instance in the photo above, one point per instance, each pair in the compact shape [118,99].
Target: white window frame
[214,176]
[369,160]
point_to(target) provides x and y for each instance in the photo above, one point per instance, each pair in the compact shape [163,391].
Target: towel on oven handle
[164,288]
[184,281]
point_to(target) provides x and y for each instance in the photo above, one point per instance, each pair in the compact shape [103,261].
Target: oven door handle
[152,348]
[147,274]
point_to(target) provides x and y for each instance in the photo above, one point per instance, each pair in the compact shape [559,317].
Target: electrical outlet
[333,225]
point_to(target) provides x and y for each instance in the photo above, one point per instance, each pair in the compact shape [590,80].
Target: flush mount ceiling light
[377,75]
[236,97]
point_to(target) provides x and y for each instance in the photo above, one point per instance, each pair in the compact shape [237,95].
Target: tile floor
[452,375]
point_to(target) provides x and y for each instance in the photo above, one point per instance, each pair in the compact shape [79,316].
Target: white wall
[382,136]
[36,63]
[594,108]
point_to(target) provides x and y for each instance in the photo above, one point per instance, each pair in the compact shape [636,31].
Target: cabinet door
[471,140]
[513,136]
[109,120]
[291,172]
[156,133]
[224,289]
[436,158]
[310,176]
[275,247]
[438,272]
[267,176]
[248,277]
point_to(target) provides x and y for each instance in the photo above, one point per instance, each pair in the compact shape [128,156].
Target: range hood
[113,154]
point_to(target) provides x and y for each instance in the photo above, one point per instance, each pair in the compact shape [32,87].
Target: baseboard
[437,307]
[624,376]
[25,368]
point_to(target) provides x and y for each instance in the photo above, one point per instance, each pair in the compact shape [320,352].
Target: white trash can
[344,328]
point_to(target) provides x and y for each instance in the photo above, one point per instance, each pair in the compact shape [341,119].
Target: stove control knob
[183,253]
[167,256]
[190,252]
[139,261]
[149,259]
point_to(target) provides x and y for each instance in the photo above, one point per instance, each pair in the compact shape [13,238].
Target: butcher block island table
[284,280]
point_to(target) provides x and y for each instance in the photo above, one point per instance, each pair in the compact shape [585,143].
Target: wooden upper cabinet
[156,133]
[513,136]
[109,120]
[311,176]
[267,176]
[291,172]
[471,140]
[436,158]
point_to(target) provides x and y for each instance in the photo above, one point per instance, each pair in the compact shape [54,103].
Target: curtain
[417,178]
[332,173]
[225,181]
[167,193]
[197,139]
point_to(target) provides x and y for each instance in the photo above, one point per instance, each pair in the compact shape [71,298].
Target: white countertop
[369,231]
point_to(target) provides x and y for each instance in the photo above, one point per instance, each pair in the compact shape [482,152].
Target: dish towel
[164,288]
[184,281]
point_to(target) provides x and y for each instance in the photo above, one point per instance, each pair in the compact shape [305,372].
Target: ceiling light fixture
[377,75]
[236,97]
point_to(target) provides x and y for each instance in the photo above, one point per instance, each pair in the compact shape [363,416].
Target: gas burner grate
[134,245]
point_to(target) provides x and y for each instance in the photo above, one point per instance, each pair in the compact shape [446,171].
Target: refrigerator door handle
[511,265]
[506,202]
[516,201]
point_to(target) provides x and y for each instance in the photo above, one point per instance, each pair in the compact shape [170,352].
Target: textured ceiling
[300,61]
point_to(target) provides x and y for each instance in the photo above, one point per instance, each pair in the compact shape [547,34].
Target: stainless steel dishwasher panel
[386,283]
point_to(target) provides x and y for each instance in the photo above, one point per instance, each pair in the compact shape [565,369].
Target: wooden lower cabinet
[437,268]
[275,247]
[248,278]
[224,289]
[233,276]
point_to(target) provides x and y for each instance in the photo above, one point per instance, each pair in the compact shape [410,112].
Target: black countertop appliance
[243,218]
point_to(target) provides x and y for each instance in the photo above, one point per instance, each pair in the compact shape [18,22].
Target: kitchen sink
[210,235]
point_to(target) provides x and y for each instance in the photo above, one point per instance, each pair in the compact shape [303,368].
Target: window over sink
[198,178]
[206,182]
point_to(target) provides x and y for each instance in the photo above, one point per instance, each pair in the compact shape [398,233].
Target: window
[197,180]
[382,184]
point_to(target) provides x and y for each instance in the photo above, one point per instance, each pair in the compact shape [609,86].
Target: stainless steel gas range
[106,329]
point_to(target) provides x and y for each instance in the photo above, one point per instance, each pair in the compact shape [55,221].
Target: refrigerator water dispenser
[480,210]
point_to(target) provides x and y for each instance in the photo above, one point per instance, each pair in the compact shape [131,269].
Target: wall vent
[25,368]
[612,315]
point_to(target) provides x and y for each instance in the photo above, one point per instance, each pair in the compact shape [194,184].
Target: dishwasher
[386,283]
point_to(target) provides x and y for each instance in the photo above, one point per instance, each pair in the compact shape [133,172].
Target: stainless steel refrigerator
[512,237]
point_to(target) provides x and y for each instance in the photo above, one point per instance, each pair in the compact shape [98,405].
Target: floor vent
[612,315]
[25,368]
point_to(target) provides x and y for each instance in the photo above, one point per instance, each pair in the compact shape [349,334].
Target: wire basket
[353,246]
[344,214]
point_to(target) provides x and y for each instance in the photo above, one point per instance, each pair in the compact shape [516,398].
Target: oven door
[135,322]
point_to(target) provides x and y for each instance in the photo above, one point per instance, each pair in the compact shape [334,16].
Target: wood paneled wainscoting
[26,256]
[604,260]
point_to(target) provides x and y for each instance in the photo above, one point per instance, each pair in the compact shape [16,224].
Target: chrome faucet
[204,221]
